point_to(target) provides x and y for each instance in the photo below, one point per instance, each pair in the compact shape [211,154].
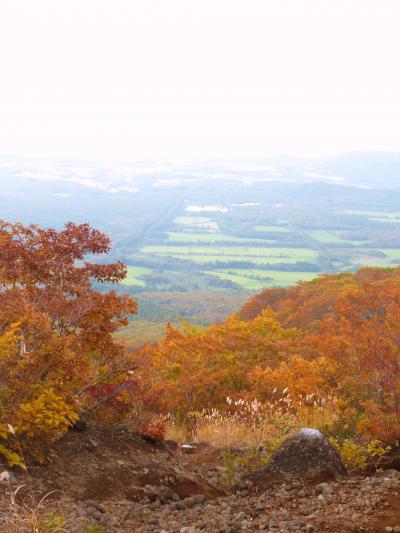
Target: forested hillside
[335,337]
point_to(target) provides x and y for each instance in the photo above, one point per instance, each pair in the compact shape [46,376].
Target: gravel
[337,507]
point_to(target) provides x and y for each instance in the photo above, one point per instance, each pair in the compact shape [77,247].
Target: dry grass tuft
[255,424]
[23,511]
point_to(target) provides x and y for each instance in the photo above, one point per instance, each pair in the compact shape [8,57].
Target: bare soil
[124,483]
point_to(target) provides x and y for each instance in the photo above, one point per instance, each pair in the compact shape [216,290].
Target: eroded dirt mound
[101,465]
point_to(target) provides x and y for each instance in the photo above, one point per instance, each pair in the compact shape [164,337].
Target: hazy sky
[198,79]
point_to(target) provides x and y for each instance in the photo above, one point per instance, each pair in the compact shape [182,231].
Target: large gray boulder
[306,455]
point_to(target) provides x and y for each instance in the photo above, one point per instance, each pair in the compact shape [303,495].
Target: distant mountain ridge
[365,169]
[373,169]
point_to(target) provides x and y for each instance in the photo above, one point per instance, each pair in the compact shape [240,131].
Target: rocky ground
[126,484]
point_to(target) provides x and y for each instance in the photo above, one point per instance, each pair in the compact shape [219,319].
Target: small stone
[92,504]
[320,487]
[188,448]
[327,491]
[180,506]
[189,529]
[241,484]
[170,444]
[91,445]
[7,477]
[198,499]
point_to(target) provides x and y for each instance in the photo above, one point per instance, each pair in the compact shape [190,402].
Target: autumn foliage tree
[196,368]
[362,339]
[56,331]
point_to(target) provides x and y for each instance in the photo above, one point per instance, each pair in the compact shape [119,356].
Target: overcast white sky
[198,79]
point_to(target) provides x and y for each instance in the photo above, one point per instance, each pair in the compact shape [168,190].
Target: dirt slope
[125,484]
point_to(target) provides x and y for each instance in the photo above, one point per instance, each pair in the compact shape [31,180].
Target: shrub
[359,455]
[43,420]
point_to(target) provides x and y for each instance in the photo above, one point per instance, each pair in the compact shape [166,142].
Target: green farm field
[197,222]
[392,254]
[254,279]
[372,214]
[272,229]
[209,259]
[386,220]
[211,238]
[135,276]
[327,237]
[376,216]
[242,252]
[324,236]
[241,280]
[392,258]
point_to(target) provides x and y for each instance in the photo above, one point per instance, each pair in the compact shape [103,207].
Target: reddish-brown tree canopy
[57,331]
